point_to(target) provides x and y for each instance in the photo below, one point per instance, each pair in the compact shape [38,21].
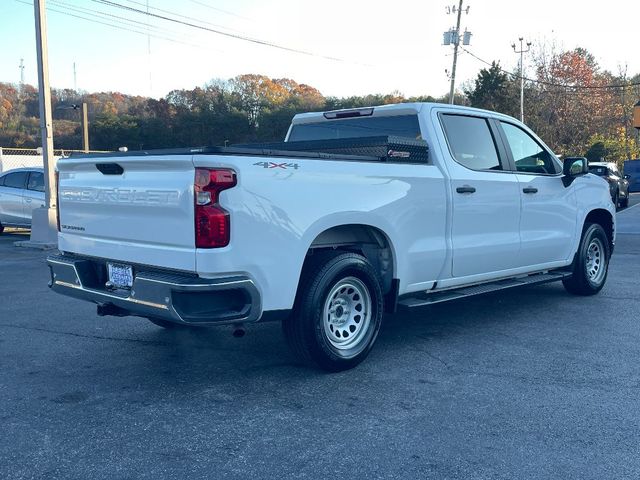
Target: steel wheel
[594,264]
[347,313]
[591,262]
[338,311]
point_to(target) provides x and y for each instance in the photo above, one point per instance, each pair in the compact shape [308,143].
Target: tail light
[57,176]
[212,222]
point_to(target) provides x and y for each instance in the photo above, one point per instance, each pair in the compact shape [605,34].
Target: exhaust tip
[239,331]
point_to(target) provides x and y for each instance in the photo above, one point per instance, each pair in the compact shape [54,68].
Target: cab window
[529,156]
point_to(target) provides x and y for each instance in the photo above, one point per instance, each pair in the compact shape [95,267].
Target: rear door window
[471,142]
[601,171]
[16,180]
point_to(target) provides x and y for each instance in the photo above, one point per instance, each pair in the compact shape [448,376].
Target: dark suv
[618,185]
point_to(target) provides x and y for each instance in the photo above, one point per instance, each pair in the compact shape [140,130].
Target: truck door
[549,209]
[485,229]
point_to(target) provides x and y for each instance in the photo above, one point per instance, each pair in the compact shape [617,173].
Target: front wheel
[590,267]
[337,313]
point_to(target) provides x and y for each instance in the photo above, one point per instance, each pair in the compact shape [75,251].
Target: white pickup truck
[359,212]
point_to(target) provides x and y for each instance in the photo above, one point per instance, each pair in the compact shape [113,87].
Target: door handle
[28,200]
[466,189]
[530,190]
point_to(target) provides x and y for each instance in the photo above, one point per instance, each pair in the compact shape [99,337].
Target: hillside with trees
[574,105]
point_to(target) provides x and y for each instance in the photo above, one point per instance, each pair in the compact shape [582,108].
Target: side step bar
[422,299]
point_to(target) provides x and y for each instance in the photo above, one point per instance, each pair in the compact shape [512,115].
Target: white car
[358,212]
[21,191]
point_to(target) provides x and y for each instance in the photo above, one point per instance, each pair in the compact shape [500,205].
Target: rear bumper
[180,298]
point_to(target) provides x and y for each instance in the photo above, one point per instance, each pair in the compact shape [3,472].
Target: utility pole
[85,128]
[43,229]
[522,51]
[453,37]
[21,73]
[75,78]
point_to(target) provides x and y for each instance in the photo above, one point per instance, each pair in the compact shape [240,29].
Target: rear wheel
[591,264]
[337,313]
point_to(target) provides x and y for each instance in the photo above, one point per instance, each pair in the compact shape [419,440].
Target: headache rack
[386,148]
[368,149]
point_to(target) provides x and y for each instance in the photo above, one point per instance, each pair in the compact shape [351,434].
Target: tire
[624,203]
[337,313]
[591,264]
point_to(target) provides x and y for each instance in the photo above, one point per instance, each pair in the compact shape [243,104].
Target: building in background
[632,168]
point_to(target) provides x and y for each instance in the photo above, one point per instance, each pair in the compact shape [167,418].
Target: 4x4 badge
[283,165]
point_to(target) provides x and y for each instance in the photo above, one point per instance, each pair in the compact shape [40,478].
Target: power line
[197,2]
[98,13]
[219,32]
[553,84]
[112,25]
[175,14]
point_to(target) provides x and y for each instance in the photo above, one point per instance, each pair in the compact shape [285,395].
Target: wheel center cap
[340,312]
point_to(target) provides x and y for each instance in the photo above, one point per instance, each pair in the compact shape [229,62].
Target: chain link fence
[11,158]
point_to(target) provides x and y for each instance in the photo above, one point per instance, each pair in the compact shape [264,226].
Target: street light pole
[522,51]
[43,225]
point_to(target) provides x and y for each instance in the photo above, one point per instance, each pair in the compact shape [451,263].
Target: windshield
[399,125]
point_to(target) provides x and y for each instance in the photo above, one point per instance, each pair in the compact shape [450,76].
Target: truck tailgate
[136,209]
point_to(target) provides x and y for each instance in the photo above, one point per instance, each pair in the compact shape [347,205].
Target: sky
[355,47]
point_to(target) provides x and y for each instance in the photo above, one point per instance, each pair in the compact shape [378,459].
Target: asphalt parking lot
[528,383]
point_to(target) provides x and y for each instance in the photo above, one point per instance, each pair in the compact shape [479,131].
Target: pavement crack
[431,355]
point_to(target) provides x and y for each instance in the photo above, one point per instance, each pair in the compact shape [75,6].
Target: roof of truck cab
[393,110]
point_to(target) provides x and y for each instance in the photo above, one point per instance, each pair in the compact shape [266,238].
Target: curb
[35,245]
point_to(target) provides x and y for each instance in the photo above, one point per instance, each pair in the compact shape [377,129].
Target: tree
[493,90]
[569,108]
[612,148]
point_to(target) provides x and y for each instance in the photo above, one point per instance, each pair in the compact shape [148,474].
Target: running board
[422,299]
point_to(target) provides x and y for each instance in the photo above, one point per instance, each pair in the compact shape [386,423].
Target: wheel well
[605,220]
[366,240]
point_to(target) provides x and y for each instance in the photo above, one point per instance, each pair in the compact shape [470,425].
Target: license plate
[120,275]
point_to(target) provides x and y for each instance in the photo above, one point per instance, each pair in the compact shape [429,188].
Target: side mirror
[573,167]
